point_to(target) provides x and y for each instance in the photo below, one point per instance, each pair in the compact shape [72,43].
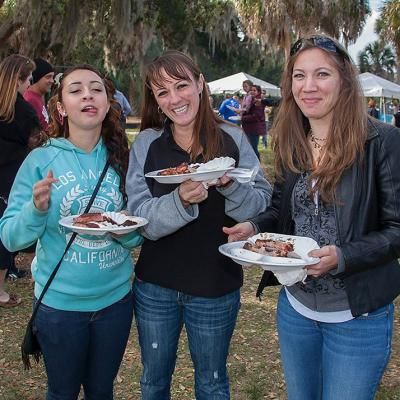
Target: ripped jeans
[160,315]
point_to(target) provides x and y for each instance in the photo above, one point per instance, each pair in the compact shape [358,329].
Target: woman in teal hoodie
[84,321]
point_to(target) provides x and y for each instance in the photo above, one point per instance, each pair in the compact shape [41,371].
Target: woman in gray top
[181,278]
[338,183]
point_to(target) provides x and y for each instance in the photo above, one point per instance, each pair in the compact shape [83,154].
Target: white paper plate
[302,246]
[205,172]
[67,222]
[198,176]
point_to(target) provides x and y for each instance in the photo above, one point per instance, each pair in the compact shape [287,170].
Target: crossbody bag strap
[72,238]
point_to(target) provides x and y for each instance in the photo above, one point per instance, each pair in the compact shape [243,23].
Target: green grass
[131,134]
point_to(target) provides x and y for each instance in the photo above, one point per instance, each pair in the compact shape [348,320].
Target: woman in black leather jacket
[338,182]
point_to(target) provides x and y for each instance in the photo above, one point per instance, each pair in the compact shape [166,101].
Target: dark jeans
[254,139]
[83,348]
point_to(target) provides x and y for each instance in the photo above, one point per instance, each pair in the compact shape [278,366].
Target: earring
[159,110]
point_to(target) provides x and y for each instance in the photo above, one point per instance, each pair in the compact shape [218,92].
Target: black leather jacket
[367,221]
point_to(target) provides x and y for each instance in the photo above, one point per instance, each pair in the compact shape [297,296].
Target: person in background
[248,98]
[210,98]
[42,81]
[270,101]
[253,120]
[225,109]
[271,105]
[338,182]
[115,104]
[18,124]
[396,116]
[372,110]
[180,278]
[264,138]
[123,102]
[85,318]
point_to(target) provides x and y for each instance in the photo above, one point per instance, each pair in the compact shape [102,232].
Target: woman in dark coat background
[18,124]
[253,120]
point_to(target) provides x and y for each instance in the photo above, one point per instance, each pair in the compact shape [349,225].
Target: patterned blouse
[316,220]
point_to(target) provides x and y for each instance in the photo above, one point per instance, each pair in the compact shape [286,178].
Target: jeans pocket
[379,313]
[47,309]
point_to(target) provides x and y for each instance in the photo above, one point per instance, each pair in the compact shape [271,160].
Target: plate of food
[273,252]
[99,224]
[200,172]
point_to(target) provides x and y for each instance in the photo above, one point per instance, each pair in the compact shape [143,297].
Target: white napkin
[216,164]
[219,163]
[243,175]
[289,278]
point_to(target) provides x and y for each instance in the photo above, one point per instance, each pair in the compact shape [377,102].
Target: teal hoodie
[96,270]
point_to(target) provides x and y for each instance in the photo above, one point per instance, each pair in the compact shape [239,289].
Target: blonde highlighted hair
[348,130]
[13,68]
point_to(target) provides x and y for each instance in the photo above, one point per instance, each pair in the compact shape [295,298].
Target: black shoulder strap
[53,274]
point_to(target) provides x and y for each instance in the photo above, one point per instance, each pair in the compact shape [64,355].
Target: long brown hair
[348,130]
[112,131]
[12,68]
[207,139]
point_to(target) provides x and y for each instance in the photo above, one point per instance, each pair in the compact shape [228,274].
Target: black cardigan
[14,138]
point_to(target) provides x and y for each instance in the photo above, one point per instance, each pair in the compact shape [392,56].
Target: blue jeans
[264,141]
[83,348]
[253,140]
[160,315]
[332,361]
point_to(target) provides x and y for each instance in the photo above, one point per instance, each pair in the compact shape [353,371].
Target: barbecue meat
[89,217]
[98,220]
[182,168]
[89,220]
[269,247]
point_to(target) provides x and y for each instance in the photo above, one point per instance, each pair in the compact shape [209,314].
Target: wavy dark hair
[207,137]
[348,130]
[112,131]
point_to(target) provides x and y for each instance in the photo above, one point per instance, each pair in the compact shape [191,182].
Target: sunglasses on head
[321,42]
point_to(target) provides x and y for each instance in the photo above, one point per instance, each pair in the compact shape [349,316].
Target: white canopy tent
[375,86]
[233,84]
